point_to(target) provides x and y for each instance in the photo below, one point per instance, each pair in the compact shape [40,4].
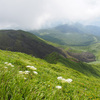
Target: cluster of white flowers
[25,78]
[31,67]
[27,72]
[9,64]
[58,87]
[65,80]
[59,78]
[69,80]
[24,72]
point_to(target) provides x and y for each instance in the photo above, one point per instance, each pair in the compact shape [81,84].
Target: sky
[36,14]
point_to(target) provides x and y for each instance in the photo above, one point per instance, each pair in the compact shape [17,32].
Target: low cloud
[35,14]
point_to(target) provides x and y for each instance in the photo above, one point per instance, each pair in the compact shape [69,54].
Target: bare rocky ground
[84,56]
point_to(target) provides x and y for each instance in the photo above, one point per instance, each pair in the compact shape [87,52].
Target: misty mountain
[95,30]
[74,28]
[21,41]
[74,35]
[79,28]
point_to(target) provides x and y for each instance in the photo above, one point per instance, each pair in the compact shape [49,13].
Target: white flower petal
[27,72]
[58,87]
[20,72]
[6,63]
[69,80]
[59,78]
[35,72]
[12,65]
[28,66]
[9,64]
[33,68]
[65,80]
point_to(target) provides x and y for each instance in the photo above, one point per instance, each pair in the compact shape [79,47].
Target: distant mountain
[21,41]
[68,29]
[74,35]
[79,28]
[95,30]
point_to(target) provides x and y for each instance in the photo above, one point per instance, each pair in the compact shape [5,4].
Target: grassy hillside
[21,41]
[18,81]
[73,39]
[72,35]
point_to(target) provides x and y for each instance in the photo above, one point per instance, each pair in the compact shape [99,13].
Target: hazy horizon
[36,14]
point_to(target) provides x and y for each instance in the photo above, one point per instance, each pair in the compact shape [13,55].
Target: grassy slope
[66,38]
[21,41]
[13,86]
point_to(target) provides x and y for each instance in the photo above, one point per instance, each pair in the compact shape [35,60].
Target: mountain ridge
[72,35]
[21,41]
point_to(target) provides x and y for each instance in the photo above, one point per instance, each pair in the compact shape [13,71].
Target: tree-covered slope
[21,41]
[23,77]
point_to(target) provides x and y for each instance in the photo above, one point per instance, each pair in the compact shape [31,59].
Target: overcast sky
[35,14]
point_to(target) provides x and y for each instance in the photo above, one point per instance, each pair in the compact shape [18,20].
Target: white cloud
[34,14]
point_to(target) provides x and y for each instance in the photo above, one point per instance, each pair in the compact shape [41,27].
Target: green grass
[13,86]
[66,38]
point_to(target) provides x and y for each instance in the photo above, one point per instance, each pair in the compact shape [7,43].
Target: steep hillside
[21,41]
[23,77]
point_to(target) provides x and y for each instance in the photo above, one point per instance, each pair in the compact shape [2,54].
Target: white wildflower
[12,65]
[35,72]
[28,66]
[27,72]
[58,87]
[6,67]
[20,72]
[69,80]
[64,80]
[33,68]
[9,64]
[59,78]
[6,63]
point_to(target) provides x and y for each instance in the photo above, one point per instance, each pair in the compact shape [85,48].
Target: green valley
[57,76]
[70,35]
